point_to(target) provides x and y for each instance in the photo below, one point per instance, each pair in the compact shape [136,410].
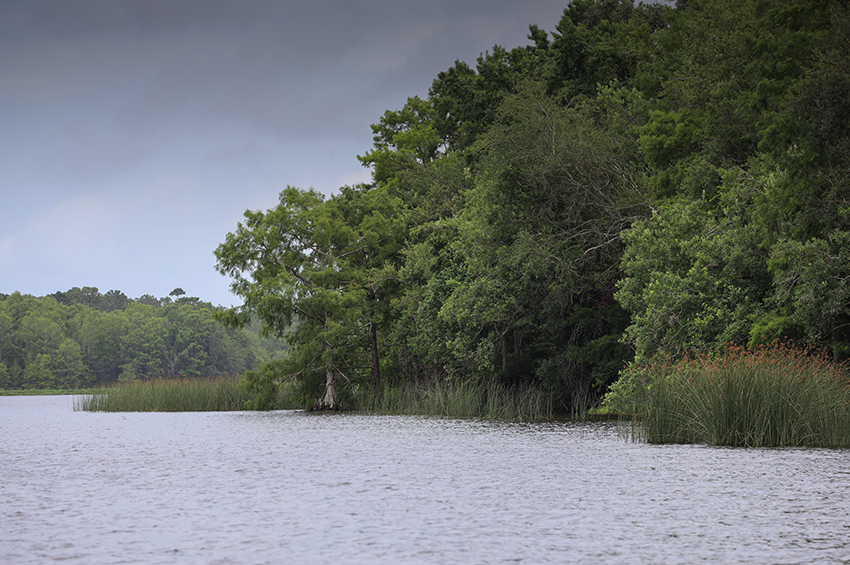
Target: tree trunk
[329,401]
[376,360]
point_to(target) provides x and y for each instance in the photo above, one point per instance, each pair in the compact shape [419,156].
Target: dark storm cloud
[289,66]
[136,132]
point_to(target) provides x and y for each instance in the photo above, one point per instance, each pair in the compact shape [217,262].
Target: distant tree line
[641,180]
[82,338]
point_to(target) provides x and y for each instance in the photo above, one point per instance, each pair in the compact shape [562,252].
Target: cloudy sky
[135,133]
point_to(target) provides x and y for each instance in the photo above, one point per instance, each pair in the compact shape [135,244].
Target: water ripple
[328,488]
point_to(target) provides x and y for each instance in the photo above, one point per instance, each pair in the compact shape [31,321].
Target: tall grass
[168,395]
[769,396]
[459,400]
[454,400]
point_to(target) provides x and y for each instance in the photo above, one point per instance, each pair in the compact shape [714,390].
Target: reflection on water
[294,487]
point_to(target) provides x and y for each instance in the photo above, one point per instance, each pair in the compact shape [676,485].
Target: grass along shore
[462,400]
[763,397]
[167,395]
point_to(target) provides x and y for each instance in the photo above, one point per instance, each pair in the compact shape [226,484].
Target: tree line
[641,180]
[82,338]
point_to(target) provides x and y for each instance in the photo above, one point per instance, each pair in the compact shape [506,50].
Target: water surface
[295,487]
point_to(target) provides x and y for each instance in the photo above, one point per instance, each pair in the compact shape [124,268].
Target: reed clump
[168,395]
[465,399]
[776,395]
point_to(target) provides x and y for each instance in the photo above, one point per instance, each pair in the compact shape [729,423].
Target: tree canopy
[641,180]
[81,338]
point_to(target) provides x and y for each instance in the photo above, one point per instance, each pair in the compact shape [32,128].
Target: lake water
[296,487]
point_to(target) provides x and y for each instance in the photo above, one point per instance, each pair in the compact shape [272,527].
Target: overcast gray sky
[135,133]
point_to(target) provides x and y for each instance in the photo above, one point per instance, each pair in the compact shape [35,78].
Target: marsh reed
[776,395]
[459,400]
[454,400]
[167,395]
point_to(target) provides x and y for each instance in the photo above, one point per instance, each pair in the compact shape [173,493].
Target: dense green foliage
[641,181]
[82,338]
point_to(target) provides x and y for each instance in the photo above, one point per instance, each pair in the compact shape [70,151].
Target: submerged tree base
[319,407]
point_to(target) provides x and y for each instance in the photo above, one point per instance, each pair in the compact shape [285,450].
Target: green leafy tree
[510,270]
[91,297]
[811,290]
[102,343]
[404,139]
[694,280]
[432,195]
[39,373]
[542,247]
[143,343]
[69,369]
[5,333]
[745,143]
[465,100]
[512,248]
[600,41]
[319,263]
[39,334]
[725,74]
[6,382]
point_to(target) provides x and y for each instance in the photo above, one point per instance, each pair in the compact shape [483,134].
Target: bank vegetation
[643,190]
